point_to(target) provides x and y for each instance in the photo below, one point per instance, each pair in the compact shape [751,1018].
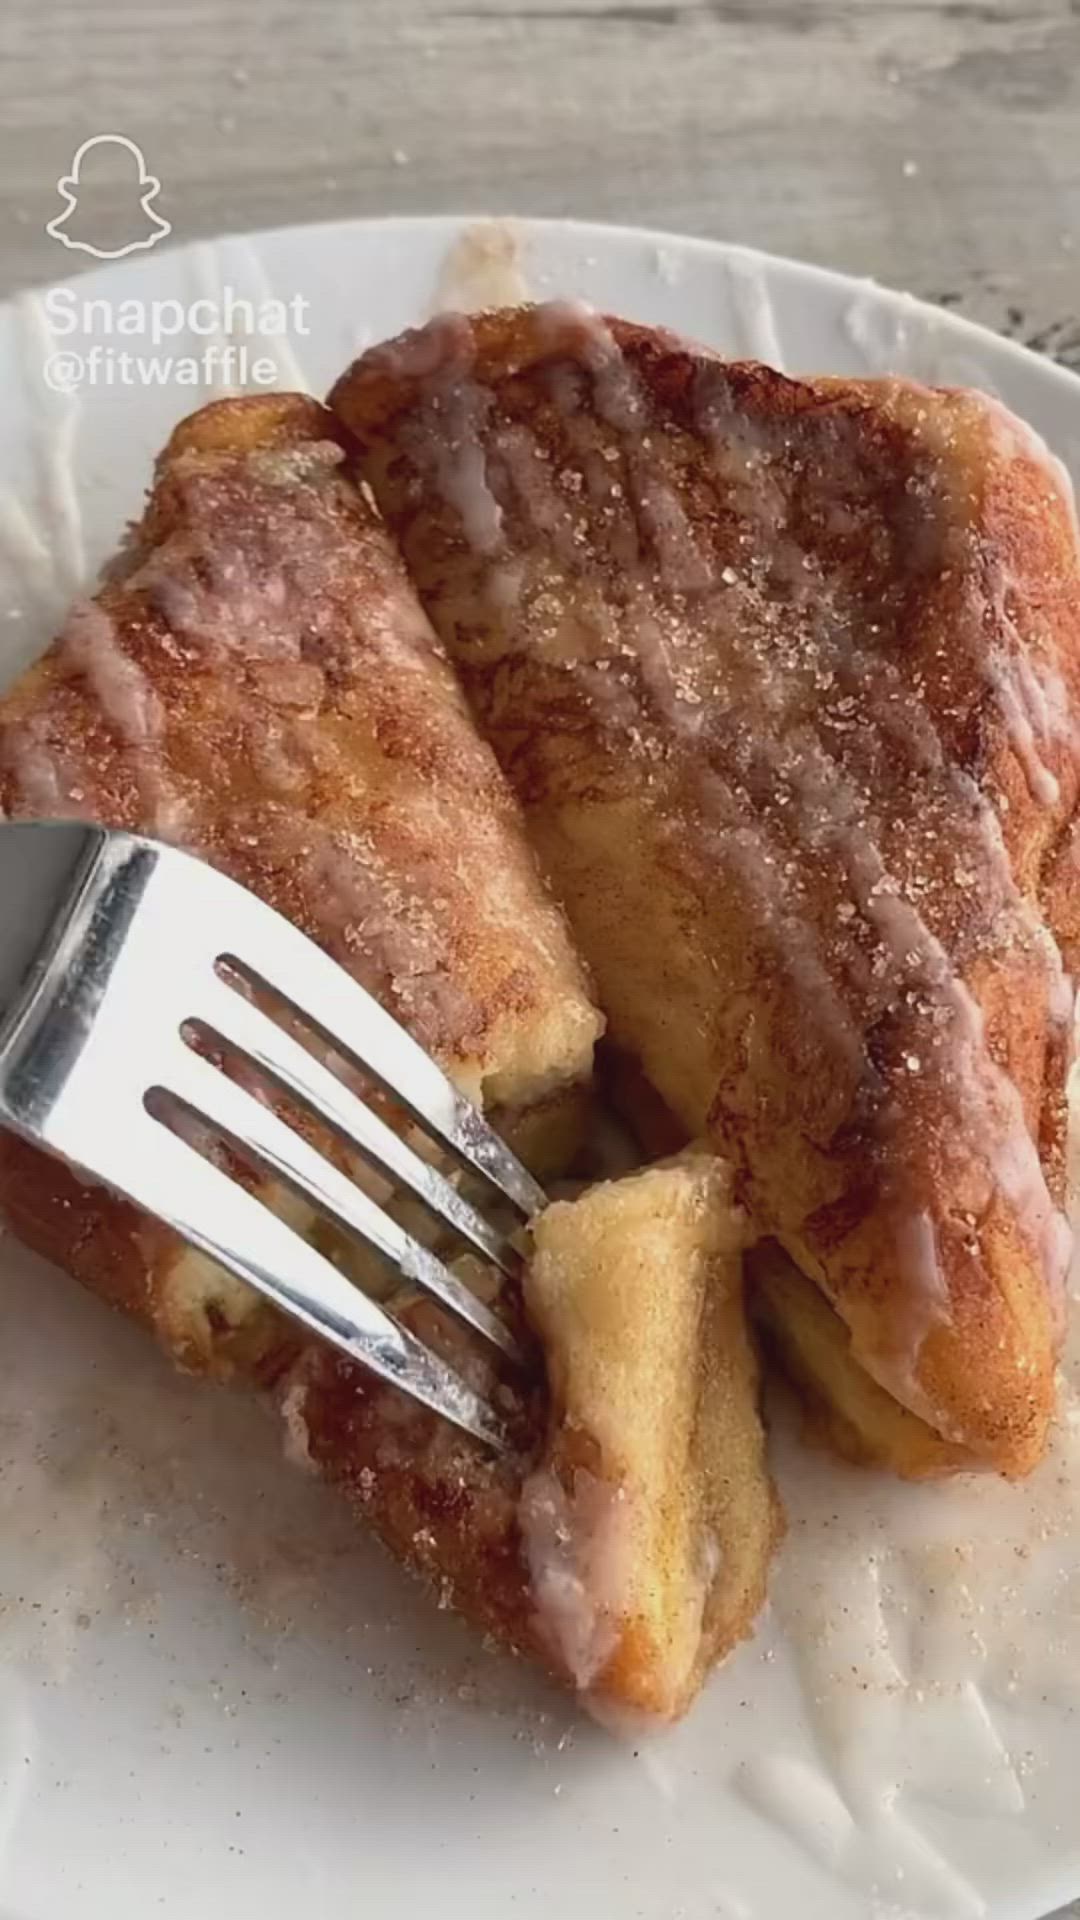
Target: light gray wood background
[932,143]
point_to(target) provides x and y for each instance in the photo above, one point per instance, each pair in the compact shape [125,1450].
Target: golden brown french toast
[257,682]
[626,1539]
[786,675]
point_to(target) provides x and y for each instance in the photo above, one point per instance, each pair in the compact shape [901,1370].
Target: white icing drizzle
[293,1405]
[914,1616]
[804,665]
[463,473]
[48,787]
[1042,784]
[925,1305]
[225,608]
[215,597]
[623,404]
[617,391]
[753,306]
[576,1546]
[90,647]
[466,484]
[985,1098]
[831,809]
[1036,707]
[744,846]
[879,1854]
[521,462]
[1035,702]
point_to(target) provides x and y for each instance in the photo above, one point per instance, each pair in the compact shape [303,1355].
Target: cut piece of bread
[842,1405]
[256,681]
[786,675]
[627,1539]
[649,1526]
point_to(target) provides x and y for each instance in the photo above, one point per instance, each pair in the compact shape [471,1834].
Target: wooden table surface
[934,144]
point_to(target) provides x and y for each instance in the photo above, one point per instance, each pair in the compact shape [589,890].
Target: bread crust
[786,674]
[625,1541]
[255,680]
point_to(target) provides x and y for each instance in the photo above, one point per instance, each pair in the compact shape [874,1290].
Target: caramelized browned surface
[257,681]
[786,674]
[444,1505]
[626,1540]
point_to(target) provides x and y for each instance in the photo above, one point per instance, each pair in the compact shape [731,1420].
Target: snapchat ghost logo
[80,227]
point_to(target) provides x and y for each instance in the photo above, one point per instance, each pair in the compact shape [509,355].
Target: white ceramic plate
[215,1697]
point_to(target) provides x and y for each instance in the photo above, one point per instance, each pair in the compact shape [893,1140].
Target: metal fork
[121,962]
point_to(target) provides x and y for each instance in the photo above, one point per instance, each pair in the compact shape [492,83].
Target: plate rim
[620,237]
[611,233]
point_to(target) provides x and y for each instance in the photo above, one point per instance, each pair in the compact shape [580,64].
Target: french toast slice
[256,681]
[626,1538]
[842,1406]
[786,675]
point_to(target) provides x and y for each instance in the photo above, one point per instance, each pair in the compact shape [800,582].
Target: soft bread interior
[842,1405]
[649,1523]
[256,680]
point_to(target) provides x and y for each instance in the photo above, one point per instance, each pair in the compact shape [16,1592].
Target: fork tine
[239,1024]
[93,1034]
[295,970]
[258,1132]
[171,1179]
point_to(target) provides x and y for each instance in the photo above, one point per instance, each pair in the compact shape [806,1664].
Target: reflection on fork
[124,1068]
